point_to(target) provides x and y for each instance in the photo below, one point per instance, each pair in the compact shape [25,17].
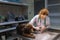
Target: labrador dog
[25,30]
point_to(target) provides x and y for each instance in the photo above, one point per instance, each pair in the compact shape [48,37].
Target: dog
[25,30]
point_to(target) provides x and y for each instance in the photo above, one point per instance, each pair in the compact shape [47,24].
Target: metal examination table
[43,36]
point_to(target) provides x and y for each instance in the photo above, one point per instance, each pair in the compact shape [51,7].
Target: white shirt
[39,22]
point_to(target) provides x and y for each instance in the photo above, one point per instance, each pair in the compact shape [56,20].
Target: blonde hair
[42,11]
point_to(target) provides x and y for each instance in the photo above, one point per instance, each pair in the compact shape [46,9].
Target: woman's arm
[32,21]
[44,27]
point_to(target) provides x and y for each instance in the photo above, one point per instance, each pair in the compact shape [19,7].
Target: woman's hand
[43,29]
[37,28]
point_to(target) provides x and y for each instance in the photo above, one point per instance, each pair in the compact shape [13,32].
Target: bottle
[21,17]
[11,16]
[2,18]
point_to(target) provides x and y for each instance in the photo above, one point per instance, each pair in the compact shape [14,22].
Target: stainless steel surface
[12,22]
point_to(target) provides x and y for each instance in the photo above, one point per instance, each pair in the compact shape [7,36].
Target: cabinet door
[54,13]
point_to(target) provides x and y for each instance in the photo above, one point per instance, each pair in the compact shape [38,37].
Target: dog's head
[28,28]
[24,28]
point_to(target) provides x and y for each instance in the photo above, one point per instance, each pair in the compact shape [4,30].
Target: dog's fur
[20,29]
[24,29]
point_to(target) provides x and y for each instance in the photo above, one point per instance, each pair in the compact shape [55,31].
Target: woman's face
[43,16]
[43,13]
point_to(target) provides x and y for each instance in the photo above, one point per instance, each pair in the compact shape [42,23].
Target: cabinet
[16,8]
[54,12]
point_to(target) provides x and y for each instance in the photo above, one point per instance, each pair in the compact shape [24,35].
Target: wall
[30,8]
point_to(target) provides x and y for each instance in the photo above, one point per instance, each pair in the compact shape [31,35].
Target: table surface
[43,36]
[46,36]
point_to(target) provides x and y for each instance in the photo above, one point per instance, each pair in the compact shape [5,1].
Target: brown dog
[25,30]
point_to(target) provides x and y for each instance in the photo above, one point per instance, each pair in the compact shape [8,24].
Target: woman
[41,21]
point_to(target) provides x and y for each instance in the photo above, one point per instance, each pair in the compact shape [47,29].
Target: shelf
[12,22]
[53,1]
[13,28]
[55,14]
[9,29]
[54,4]
[54,9]
[55,20]
[11,8]
[55,27]
[13,3]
